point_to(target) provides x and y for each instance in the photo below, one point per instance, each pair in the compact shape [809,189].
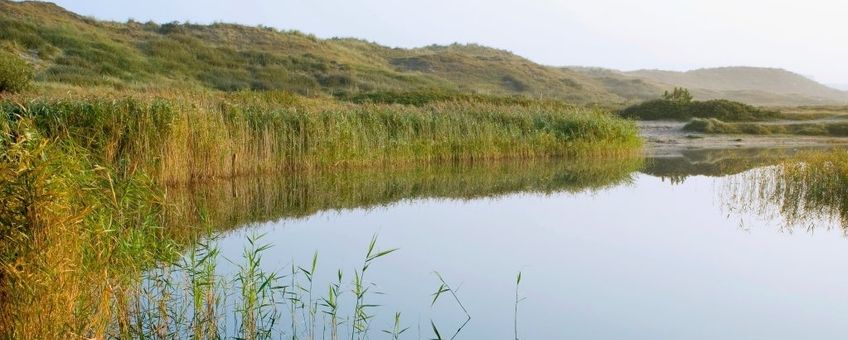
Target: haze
[805,37]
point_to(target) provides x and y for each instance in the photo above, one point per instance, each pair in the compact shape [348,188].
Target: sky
[809,37]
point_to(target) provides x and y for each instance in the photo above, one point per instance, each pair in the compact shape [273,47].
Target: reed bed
[85,205]
[74,234]
[185,138]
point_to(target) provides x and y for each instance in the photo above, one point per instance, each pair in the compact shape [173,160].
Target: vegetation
[69,49]
[679,95]
[73,50]
[423,97]
[84,208]
[123,114]
[198,137]
[750,85]
[715,126]
[679,105]
[75,233]
[100,289]
[813,112]
[15,74]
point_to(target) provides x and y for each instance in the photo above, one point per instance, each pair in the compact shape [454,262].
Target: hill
[843,87]
[68,49]
[752,85]
[630,87]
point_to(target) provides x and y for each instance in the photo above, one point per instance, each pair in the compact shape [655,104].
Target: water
[656,249]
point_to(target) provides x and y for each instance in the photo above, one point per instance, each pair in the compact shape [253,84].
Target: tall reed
[190,137]
[75,234]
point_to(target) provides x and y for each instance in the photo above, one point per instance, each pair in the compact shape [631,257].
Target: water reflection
[230,204]
[678,166]
[805,192]
[235,203]
[609,249]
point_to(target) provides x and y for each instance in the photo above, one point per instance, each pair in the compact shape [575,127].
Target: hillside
[69,49]
[758,86]
[631,87]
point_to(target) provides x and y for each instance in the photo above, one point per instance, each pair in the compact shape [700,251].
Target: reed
[194,137]
[75,234]
[86,205]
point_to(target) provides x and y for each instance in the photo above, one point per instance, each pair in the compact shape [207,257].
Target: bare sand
[668,137]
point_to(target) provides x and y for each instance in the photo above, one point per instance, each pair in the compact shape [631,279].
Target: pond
[687,245]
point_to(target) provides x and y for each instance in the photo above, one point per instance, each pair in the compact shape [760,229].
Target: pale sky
[809,37]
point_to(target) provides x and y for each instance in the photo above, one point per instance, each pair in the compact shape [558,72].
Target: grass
[715,126]
[195,137]
[15,74]
[67,48]
[813,112]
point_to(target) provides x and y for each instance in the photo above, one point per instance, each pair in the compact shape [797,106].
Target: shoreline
[668,138]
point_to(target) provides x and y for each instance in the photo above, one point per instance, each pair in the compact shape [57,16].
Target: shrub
[15,73]
[677,109]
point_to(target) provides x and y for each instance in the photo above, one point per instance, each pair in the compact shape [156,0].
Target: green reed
[191,137]
[86,206]
[360,290]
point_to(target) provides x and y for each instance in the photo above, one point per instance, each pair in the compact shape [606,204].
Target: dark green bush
[15,73]
[721,109]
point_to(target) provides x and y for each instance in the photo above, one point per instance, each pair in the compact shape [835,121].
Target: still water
[663,248]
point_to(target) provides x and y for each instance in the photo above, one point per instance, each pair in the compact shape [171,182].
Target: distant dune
[69,49]
[843,87]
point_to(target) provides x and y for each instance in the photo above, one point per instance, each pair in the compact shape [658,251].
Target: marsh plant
[83,218]
[197,136]
[189,298]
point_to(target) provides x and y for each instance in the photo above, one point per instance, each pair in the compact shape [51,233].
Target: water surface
[663,248]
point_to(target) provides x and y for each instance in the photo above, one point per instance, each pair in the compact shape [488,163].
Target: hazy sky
[809,37]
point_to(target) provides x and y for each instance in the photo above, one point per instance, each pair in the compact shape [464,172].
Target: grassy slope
[68,48]
[758,86]
[634,89]
[71,49]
